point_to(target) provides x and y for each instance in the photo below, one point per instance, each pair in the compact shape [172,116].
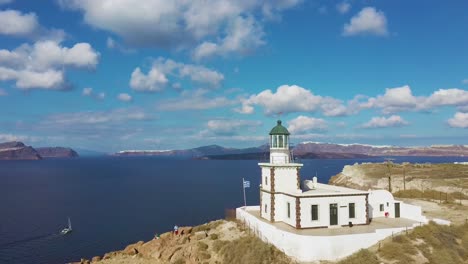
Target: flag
[246,184]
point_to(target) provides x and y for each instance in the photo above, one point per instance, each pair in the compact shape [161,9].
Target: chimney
[314,184]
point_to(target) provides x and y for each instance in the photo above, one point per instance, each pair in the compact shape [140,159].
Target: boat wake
[26,240]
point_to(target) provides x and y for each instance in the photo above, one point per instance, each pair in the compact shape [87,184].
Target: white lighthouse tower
[280,179]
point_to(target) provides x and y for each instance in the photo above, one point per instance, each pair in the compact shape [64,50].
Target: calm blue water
[115,201]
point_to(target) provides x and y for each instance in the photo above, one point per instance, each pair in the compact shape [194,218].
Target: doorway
[333,214]
[397,210]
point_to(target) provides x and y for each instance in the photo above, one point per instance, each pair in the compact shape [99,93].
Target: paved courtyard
[377,223]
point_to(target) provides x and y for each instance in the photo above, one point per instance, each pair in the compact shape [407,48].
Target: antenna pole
[243,188]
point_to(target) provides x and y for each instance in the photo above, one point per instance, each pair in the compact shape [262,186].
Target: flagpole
[243,187]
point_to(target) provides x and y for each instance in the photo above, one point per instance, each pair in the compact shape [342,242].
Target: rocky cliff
[57,152]
[216,242]
[306,150]
[19,151]
[445,177]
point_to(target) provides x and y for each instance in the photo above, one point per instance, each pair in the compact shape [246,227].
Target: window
[280,142]
[314,212]
[352,212]
[388,204]
[266,180]
[381,208]
[273,145]
[266,206]
[289,210]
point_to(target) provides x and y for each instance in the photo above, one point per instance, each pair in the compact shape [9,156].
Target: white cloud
[380,122]
[3,2]
[459,120]
[151,82]
[50,79]
[96,117]
[343,7]
[402,99]
[445,97]
[90,92]
[12,137]
[101,96]
[17,24]
[42,65]
[3,92]
[463,109]
[110,43]
[289,99]
[304,124]
[394,100]
[196,102]
[368,21]
[244,35]
[124,97]
[157,78]
[180,23]
[230,126]
[113,44]
[465,81]
[87,91]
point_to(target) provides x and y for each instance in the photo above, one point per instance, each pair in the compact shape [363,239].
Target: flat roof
[268,164]
[326,189]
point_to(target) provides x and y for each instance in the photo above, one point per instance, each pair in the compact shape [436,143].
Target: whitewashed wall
[378,197]
[266,200]
[281,210]
[266,179]
[312,248]
[412,212]
[286,180]
[324,210]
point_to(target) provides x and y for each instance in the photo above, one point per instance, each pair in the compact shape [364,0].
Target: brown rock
[185,230]
[95,259]
[199,235]
[133,248]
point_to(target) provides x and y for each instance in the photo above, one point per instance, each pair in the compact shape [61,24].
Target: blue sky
[113,75]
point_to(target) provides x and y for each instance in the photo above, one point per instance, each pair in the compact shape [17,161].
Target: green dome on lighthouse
[279,129]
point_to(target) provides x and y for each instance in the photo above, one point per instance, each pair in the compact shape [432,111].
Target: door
[397,210]
[333,214]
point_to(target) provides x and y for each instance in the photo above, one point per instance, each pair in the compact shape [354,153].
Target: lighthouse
[279,145]
[279,176]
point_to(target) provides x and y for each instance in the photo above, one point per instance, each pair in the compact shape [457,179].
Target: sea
[115,201]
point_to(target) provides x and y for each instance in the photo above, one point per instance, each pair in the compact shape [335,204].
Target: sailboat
[68,229]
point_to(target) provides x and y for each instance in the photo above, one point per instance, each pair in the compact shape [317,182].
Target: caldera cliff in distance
[19,151]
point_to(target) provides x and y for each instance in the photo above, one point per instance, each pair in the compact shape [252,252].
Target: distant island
[306,150]
[19,151]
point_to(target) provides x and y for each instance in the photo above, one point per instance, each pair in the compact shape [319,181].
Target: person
[156,236]
[176,230]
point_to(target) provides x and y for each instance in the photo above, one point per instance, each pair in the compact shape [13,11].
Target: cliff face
[445,177]
[18,151]
[212,243]
[57,152]
[436,150]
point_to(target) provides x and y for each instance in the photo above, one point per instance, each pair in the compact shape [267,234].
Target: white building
[300,220]
[314,205]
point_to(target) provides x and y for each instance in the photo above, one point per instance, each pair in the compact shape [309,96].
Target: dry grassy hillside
[213,243]
[447,178]
[432,244]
